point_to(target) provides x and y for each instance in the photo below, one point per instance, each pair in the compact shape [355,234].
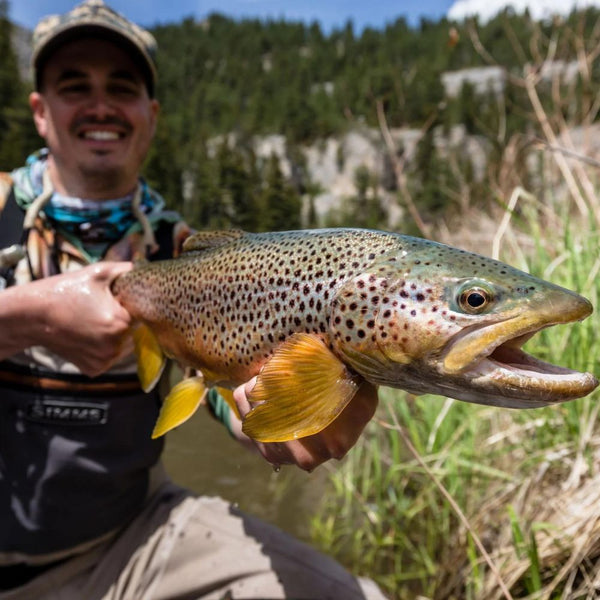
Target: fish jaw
[554,307]
[519,380]
[490,358]
[508,377]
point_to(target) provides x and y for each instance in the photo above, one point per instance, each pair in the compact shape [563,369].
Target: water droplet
[276,468]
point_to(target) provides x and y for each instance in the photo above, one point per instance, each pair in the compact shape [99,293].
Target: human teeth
[101,135]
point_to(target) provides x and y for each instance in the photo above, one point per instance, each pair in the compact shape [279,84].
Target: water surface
[202,456]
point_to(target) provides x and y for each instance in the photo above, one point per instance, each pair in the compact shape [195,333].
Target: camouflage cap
[94,19]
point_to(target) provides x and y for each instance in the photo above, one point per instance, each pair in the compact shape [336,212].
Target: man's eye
[73,89]
[124,90]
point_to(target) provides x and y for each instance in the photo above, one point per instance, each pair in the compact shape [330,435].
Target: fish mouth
[531,382]
[491,358]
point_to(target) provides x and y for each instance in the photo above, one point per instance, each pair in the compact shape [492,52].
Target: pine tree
[282,203]
[161,169]
[17,133]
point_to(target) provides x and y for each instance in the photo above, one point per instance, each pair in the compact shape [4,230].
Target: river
[202,456]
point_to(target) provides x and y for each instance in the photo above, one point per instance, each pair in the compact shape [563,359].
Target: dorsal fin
[204,240]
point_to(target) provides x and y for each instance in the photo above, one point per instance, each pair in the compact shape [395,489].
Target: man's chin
[101,152]
[103,174]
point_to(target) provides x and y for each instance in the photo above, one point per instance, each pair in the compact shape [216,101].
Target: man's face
[96,117]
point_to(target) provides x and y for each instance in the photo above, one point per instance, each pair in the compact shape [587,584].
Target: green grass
[387,517]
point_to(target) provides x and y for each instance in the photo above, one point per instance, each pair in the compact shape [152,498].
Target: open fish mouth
[492,358]
[529,379]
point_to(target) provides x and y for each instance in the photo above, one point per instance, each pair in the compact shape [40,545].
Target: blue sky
[330,13]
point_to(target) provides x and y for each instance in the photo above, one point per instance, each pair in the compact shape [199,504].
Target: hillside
[452,95]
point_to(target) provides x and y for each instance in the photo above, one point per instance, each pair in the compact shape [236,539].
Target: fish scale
[240,299]
[315,312]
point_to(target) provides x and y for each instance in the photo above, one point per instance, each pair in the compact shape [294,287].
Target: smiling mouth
[101,135]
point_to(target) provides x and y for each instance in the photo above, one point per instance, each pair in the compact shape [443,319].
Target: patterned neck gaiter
[93,225]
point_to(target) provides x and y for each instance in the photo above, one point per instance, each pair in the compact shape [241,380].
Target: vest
[75,452]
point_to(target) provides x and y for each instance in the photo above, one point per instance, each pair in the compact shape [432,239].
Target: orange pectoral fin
[301,389]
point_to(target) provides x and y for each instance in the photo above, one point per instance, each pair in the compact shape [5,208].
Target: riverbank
[513,519]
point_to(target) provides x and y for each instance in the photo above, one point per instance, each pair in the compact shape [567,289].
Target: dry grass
[558,506]
[427,502]
[450,501]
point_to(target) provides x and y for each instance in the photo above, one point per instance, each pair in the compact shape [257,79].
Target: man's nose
[100,105]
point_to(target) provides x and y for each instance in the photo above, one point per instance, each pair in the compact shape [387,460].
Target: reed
[519,478]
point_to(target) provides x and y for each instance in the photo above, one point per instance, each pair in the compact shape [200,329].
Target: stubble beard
[103,179]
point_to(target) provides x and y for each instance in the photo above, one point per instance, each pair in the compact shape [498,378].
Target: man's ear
[38,108]
[154,111]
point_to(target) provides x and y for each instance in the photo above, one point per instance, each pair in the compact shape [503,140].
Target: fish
[314,313]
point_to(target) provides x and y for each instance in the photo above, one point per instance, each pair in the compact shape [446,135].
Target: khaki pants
[186,547]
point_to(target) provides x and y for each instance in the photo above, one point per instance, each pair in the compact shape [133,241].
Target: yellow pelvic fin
[303,388]
[204,240]
[227,395]
[151,360]
[180,405]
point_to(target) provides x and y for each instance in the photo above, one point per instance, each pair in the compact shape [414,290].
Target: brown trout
[313,313]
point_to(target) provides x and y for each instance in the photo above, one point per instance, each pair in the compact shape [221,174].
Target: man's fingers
[109,271]
[333,442]
[240,395]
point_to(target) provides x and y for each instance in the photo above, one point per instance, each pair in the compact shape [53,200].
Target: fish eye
[474,300]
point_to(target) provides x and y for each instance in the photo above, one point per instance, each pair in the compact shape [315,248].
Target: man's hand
[73,314]
[309,452]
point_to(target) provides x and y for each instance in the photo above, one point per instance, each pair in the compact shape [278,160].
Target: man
[86,510]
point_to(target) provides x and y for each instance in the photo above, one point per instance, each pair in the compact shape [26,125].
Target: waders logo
[60,412]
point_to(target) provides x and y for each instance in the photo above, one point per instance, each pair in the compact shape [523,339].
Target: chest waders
[75,451]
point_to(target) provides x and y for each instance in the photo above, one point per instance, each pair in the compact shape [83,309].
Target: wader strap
[11,232]
[11,221]
[164,239]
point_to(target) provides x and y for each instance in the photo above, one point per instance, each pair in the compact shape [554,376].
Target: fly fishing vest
[75,452]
